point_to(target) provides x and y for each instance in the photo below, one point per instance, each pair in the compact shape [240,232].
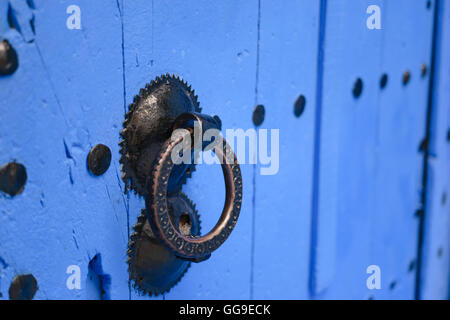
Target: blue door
[354,95]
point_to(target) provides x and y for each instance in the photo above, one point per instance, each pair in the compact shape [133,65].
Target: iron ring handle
[195,248]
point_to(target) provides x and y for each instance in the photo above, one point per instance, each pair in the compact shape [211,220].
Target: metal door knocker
[167,236]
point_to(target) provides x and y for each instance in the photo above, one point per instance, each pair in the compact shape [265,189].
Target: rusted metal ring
[195,248]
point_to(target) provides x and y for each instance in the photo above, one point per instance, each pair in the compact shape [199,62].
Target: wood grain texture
[349,181]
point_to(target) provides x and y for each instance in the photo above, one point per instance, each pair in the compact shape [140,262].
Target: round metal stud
[99,159]
[8,58]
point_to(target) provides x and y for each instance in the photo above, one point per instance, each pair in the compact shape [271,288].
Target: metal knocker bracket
[195,248]
[166,237]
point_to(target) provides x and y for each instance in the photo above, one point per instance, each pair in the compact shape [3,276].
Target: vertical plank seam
[426,153]
[123,57]
[252,248]
[125,112]
[316,154]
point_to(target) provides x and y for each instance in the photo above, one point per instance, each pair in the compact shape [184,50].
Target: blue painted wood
[344,161]
[205,44]
[401,130]
[65,97]
[369,165]
[282,213]
[435,276]
[349,181]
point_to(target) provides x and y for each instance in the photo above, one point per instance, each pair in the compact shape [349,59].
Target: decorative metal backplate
[153,268]
[148,124]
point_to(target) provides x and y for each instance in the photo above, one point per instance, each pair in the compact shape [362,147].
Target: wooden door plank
[288,44]
[65,98]
[211,45]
